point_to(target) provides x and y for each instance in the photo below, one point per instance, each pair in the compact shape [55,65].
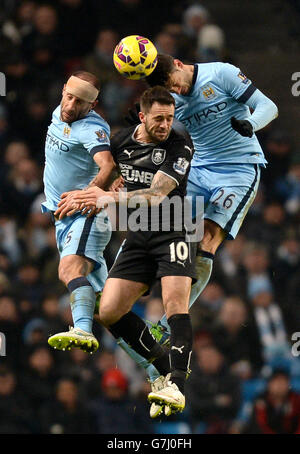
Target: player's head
[157,113]
[79,96]
[172,74]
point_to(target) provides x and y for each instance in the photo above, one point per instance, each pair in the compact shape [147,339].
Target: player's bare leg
[72,271]
[213,236]
[122,293]
[117,299]
[175,295]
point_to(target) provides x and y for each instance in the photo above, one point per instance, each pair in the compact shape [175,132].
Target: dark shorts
[147,256]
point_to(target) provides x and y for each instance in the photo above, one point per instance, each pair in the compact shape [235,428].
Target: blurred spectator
[117,97]
[15,410]
[277,411]
[100,61]
[19,80]
[67,413]
[4,126]
[270,230]
[234,335]
[135,374]
[175,30]
[75,15]
[15,151]
[39,376]
[132,11]
[9,239]
[256,263]
[10,325]
[269,320]
[194,18]
[207,306]
[48,260]
[36,120]
[288,187]
[278,152]
[210,44]
[35,332]
[116,412]
[166,44]
[6,266]
[212,392]
[79,368]
[287,265]
[102,361]
[292,297]
[50,315]
[44,34]
[43,46]
[28,284]
[255,258]
[22,185]
[21,24]
[37,227]
[228,264]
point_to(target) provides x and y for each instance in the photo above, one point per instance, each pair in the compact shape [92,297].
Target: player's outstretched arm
[264,111]
[79,200]
[95,197]
[107,172]
[237,85]
[106,175]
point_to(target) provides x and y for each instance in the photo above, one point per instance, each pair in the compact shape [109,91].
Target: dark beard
[153,138]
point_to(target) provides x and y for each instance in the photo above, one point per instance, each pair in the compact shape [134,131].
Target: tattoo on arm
[161,186]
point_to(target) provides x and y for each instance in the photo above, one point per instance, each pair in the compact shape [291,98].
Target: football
[135,57]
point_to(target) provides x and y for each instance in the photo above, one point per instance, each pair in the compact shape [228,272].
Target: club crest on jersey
[181,166]
[158,156]
[244,78]
[67,131]
[208,92]
[101,135]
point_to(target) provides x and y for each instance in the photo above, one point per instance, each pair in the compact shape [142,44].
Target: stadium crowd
[244,378]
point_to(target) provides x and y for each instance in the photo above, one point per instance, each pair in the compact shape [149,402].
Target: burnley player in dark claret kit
[154,161]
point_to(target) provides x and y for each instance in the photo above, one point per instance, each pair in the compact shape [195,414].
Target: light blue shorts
[86,237]
[228,191]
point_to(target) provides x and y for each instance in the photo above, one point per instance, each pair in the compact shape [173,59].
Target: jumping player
[77,145]
[154,161]
[213,102]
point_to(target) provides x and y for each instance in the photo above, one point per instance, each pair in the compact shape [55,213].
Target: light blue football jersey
[69,152]
[218,92]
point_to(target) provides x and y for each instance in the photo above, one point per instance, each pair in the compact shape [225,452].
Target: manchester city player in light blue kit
[77,145]
[213,102]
